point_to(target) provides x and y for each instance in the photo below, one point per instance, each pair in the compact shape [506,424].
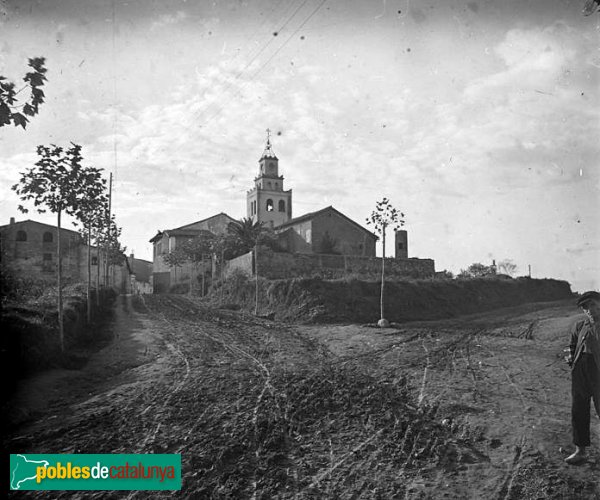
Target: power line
[253,58]
[210,119]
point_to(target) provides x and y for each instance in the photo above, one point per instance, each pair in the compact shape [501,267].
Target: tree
[194,250]
[445,275]
[98,233]
[249,234]
[90,212]
[115,253]
[220,245]
[54,184]
[175,258]
[477,270]
[10,109]
[507,266]
[590,7]
[384,216]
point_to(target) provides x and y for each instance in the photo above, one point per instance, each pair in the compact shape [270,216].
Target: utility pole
[108,227]
[529,266]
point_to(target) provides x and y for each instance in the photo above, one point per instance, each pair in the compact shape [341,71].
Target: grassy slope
[316,300]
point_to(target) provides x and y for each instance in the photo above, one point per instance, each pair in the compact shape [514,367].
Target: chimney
[12,220]
[131,257]
[401,244]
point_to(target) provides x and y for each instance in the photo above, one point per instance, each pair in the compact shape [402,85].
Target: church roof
[22,223]
[188,229]
[313,215]
[220,214]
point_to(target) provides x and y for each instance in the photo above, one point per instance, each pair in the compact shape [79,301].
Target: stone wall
[242,264]
[276,265]
[29,249]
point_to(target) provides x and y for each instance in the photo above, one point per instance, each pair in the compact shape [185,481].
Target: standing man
[585,365]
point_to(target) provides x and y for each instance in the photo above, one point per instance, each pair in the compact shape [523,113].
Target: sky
[480,120]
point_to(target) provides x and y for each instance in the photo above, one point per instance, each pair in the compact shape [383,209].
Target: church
[324,232]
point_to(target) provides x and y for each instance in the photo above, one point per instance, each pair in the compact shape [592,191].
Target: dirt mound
[331,301]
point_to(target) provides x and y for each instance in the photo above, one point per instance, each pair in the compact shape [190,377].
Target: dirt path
[500,382]
[475,407]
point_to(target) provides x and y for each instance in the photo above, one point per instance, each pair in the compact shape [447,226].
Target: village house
[167,240]
[140,275]
[29,248]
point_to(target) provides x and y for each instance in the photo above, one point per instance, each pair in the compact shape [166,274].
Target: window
[94,261]
[47,256]
[21,236]
[269,205]
[281,206]
[48,238]
[400,245]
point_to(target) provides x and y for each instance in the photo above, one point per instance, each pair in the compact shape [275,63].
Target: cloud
[533,58]
[168,19]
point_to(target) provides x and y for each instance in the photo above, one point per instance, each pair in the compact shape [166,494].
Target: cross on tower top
[268,152]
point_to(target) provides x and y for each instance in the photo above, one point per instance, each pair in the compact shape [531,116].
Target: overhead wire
[268,18]
[306,20]
[257,54]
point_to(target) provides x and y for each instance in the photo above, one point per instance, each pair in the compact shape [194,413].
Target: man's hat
[586,297]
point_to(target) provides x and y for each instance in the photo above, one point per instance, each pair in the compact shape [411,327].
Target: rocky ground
[475,407]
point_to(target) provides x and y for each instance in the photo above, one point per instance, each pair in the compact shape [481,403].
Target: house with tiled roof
[167,240]
[29,248]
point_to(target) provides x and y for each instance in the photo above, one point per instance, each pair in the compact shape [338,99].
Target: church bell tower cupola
[269,163]
[267,202]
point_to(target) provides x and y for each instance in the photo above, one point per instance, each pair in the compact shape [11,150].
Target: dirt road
[475,407]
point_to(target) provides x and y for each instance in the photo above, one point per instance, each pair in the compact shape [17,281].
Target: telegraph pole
[108,227]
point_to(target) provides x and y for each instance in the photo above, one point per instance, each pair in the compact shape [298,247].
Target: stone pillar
[401,244]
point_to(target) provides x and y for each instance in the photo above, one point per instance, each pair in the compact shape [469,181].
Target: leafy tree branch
[9,104]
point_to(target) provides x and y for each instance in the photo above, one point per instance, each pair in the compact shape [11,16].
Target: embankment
[30,338]
[335,301]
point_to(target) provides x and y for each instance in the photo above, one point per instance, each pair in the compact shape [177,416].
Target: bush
[19,288]
[180,288]
[237,279]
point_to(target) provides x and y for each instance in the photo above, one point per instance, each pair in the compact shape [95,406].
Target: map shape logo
[67,471]
[22,469]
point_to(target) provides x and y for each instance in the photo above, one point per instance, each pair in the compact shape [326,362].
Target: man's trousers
[585,386]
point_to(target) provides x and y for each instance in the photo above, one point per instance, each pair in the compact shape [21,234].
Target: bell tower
[267,202]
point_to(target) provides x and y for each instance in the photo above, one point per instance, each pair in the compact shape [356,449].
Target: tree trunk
[89,275]
[203,278]
[221,266]
[61,329]
[106,267]
[98,261]
[382,272]
[256,279]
